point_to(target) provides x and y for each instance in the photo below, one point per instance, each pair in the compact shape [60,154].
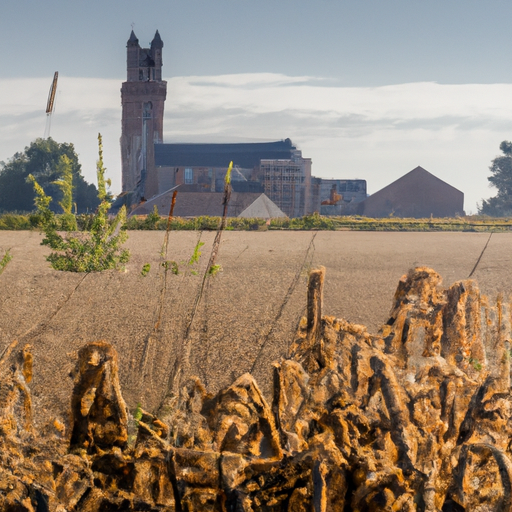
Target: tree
[501,170]
[42,159]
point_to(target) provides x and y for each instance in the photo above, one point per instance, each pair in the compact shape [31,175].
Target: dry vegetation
[414,418]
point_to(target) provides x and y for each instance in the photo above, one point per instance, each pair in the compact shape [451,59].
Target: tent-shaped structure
[417,194]
[262,208]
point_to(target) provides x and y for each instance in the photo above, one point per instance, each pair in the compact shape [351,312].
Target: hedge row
[32,221]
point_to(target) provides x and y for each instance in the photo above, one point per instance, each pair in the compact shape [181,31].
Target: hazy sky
[367,88]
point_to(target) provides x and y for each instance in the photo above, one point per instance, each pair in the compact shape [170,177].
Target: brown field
[248,313]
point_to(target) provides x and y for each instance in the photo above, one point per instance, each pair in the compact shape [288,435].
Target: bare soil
[248,313]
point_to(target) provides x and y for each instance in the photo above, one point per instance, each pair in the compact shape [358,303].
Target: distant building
[417,194]
[194,204]
[338,196]
[288,183]
[150,167]
[142,99]
[277,168]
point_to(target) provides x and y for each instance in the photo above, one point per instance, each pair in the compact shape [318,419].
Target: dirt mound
[416,417]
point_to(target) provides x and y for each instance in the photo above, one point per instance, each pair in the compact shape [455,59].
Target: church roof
[246,155]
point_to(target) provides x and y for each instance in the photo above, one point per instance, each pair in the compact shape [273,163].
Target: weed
[145,269]
[196,254]
[152,220]
[133,425]
[96,251]
[5,260]
[172,266]
[65,183]
[137,414]
[214,269]
[475,363]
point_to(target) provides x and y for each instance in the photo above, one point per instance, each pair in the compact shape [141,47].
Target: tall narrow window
[189,176]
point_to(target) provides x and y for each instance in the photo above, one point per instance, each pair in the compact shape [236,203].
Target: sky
[366,89]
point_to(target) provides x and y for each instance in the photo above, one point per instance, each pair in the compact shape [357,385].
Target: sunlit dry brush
[415,418]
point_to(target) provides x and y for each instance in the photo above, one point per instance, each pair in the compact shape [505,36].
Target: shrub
[5,260]
[96,250]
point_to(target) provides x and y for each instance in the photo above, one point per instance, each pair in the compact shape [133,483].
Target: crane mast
[50,105]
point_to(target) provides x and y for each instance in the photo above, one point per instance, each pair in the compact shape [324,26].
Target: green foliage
[133,425]
[137,414]
[475,223]
[7,257]
[501,179]
[475,364]
[309,222]
[47,217]
[152,220]
[191,263]
[100,173]
[84,221]
[145,269]
[65,183]
[196,254]
[172,266]
[97,250]
[214,269]
[42,160]
[13,222]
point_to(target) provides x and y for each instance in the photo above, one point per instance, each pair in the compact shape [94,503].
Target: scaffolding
[284,182]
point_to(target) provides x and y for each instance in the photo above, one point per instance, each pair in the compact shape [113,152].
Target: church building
[150,167]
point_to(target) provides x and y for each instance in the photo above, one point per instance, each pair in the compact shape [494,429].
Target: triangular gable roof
[417,172]
[262,208]
[416,194]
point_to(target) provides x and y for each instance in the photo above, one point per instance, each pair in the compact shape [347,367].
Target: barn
[417,194]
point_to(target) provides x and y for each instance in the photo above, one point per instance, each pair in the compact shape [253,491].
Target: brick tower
[142,98]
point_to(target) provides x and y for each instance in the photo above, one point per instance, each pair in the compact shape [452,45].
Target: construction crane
[50,105]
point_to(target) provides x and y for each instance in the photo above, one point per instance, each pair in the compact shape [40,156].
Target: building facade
[338,196]
[276,168]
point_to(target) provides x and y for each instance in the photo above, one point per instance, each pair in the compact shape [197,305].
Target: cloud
[375,133]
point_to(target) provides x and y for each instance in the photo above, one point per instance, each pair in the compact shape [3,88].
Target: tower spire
[133,39]
[157,42]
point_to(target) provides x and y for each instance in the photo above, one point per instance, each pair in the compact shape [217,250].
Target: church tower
[142,98]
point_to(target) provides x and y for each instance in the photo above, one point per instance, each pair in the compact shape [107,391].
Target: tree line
[42,159]
[501,178]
